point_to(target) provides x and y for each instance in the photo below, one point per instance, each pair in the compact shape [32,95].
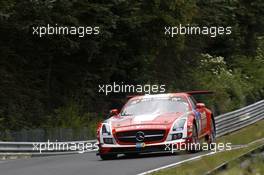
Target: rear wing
[132,96]
[188,92]
[199,92]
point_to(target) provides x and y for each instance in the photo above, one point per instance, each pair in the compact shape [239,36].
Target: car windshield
[155,105]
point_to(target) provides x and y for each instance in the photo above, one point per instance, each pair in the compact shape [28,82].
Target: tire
[192,148]
[108,156]
[211,139]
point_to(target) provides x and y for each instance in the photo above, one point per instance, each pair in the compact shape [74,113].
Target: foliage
[53,81]
[229,86]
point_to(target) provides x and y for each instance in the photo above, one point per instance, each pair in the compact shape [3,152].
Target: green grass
[250,166]
[201,166]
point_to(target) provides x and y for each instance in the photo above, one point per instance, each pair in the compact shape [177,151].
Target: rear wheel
[108,156]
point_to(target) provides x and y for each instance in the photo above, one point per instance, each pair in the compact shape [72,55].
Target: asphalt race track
[89,164]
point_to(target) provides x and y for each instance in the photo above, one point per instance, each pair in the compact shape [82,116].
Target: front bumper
[167,146]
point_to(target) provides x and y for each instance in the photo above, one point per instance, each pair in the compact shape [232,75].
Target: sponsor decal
[140,145]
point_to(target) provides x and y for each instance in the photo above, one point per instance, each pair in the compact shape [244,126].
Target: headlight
[179,125]
[106,129]
[108,140]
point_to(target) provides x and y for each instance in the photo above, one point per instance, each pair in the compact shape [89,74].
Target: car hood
[149,119]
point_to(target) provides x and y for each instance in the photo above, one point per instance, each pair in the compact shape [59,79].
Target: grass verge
[201,166]
[248,165]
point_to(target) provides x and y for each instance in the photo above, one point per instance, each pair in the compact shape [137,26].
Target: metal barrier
[29,146]
[44,134]
[225,124]
[240,118]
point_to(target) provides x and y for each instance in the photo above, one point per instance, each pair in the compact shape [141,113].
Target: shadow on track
[150,155]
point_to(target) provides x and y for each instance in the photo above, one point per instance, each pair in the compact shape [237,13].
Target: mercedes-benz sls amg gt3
[149,123]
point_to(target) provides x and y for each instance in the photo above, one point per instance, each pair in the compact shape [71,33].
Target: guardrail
[240,118]
[225,124]
[26,147]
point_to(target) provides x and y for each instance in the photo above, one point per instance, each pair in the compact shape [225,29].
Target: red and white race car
[149,123]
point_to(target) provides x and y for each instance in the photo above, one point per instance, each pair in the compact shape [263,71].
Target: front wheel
[194,145]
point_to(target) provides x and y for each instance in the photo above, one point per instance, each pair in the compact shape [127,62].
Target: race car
[149,123]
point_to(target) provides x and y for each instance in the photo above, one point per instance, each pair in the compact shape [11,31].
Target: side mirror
[200,105]
[114,112]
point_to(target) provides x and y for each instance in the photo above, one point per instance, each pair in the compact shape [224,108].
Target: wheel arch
[191,123]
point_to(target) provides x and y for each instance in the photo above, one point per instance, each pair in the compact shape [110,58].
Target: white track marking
[177,163]
[234,147]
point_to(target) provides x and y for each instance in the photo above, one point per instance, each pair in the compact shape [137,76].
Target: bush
[229,85]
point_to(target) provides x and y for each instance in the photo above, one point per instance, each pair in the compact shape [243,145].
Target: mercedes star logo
[140,136]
